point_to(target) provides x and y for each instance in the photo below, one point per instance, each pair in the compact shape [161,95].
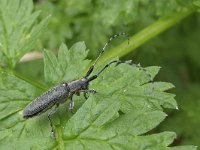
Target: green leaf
[197,3]
[15,95]
[125,107]
[146,34]
[65,67]
[74,20]
[186,120]
[184,148]
[18,29]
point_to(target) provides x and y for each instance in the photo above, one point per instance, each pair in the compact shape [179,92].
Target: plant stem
[136,40]
[146,34]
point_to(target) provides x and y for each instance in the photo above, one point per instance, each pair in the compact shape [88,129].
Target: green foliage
[189,101]
[125,107]
[94,21]
[177,51]
[18,30]
[65,68]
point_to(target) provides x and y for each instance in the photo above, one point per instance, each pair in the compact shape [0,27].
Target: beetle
[63,91]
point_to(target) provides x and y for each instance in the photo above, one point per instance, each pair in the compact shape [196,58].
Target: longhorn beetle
[63,91]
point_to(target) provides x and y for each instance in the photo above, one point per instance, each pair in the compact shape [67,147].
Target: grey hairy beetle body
[47,100]
[64,91]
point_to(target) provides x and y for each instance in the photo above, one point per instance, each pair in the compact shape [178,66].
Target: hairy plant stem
[136,40]
[146,34]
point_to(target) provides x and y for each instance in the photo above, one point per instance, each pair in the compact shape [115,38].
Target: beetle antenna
[121,62]
[108,42]
[104,49]
[107,65]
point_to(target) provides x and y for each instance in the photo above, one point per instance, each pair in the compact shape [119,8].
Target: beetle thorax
[77,85]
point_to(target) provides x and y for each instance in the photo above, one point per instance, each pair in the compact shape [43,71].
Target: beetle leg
[71,105]
[88,91]
[77,93]
[49,117]
[85,95]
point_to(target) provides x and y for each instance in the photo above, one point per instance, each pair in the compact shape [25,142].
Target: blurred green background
[176,50]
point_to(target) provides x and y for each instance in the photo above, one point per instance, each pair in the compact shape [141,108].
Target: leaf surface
[119,116]
[18,30]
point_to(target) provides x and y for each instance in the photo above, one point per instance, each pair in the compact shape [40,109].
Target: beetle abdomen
[46,100]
